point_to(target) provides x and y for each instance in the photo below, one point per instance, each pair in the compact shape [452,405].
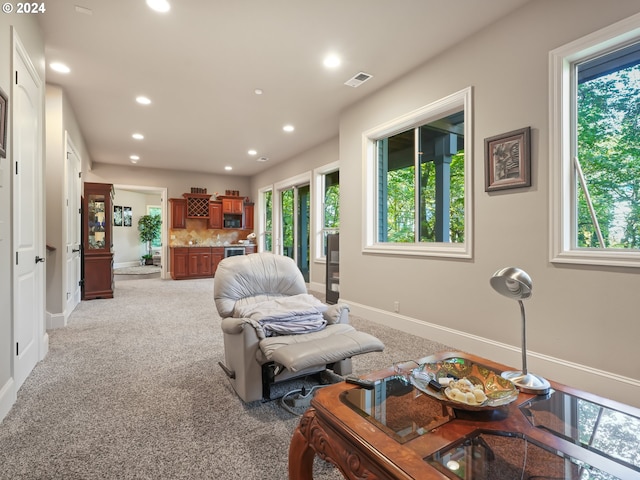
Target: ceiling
[201,63]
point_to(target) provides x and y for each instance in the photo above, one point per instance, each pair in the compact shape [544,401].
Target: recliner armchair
[255,358]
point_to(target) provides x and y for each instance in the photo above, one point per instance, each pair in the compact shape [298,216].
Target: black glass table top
[604,430]
[502,456]
[398,409]
[405,413]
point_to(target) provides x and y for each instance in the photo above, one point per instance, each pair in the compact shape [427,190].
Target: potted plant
[149,228]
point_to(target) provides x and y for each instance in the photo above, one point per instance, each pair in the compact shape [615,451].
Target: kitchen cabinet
[197,205]
[178,212]
[199,262]
[215,215]
[179,263]
[217,254]
[248,216]
[97,254]
[232,205]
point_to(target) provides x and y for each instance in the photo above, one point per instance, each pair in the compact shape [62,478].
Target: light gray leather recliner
[254,361]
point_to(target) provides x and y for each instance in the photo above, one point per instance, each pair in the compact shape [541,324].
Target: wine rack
[197,205]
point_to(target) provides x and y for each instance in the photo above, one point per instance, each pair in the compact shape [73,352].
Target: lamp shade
[512,282]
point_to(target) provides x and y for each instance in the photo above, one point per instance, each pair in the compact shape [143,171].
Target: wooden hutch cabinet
[97,243]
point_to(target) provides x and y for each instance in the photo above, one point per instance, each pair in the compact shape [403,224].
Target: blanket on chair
[291,315]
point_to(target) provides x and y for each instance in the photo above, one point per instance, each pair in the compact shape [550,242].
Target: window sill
[439,250]
[607,258]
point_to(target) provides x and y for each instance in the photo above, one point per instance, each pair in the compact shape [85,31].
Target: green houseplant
[149,228]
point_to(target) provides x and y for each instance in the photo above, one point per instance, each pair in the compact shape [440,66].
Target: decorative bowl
[499,391]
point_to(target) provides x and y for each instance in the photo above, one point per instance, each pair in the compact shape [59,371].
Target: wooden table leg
[301,451]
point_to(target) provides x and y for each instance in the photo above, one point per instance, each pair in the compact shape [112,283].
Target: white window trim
[318,211]
[262,208]
[562,248]
[438,109]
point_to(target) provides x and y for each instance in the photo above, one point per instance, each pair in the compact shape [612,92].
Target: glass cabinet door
[96,228]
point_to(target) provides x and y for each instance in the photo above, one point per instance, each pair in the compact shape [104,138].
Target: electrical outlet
[396,306]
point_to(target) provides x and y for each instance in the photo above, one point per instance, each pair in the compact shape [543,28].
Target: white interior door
[28,277]
[73,258]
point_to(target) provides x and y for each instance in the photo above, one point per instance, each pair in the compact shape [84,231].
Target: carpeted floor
[131,389]
[137,270]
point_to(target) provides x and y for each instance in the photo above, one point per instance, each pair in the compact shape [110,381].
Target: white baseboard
[8,397]
[55,320]
[606,384]
[126,264]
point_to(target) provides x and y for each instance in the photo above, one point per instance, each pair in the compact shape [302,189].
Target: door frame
[72,193]
[292,182]
[164,230]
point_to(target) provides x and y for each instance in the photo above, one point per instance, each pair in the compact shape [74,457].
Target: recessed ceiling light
[59,67]
[228,168]
[288,128]
[258,91]
[142,100]
[138,136]
[252,152]
[134,158]
[161,6]
[331,61]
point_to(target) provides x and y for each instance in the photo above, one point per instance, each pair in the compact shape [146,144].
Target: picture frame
[508,160]
[117,215]
[126,216]
[4,107]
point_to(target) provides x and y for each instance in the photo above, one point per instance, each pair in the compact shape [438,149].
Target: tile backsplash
[196,231]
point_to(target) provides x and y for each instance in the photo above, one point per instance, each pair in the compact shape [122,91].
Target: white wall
[585,315]
[60,118]
[175,181]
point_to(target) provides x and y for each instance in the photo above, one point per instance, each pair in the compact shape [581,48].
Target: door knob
[39,259]
[74,250]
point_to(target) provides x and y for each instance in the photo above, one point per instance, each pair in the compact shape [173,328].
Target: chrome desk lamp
[512,282]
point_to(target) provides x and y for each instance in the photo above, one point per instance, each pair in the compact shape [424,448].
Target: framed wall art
[117,215]
[126,216]
[4,103]
[508,160]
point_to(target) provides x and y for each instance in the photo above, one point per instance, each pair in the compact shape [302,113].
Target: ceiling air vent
[358,79]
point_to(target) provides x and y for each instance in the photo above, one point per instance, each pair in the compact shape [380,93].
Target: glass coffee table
[402,429]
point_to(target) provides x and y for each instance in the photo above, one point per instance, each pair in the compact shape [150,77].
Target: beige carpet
[137,270]
[131,389]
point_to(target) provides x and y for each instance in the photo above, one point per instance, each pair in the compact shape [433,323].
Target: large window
[595,148]
[419,176]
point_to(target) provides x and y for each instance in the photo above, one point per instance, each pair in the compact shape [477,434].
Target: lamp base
[528,382]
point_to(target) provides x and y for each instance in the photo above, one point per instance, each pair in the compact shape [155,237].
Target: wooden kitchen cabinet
[179,263]
[199,262]
[215,215]
[217,254]
[178,212]
[232,205]
[248,216]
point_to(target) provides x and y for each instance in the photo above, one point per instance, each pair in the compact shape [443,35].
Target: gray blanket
[286,315]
